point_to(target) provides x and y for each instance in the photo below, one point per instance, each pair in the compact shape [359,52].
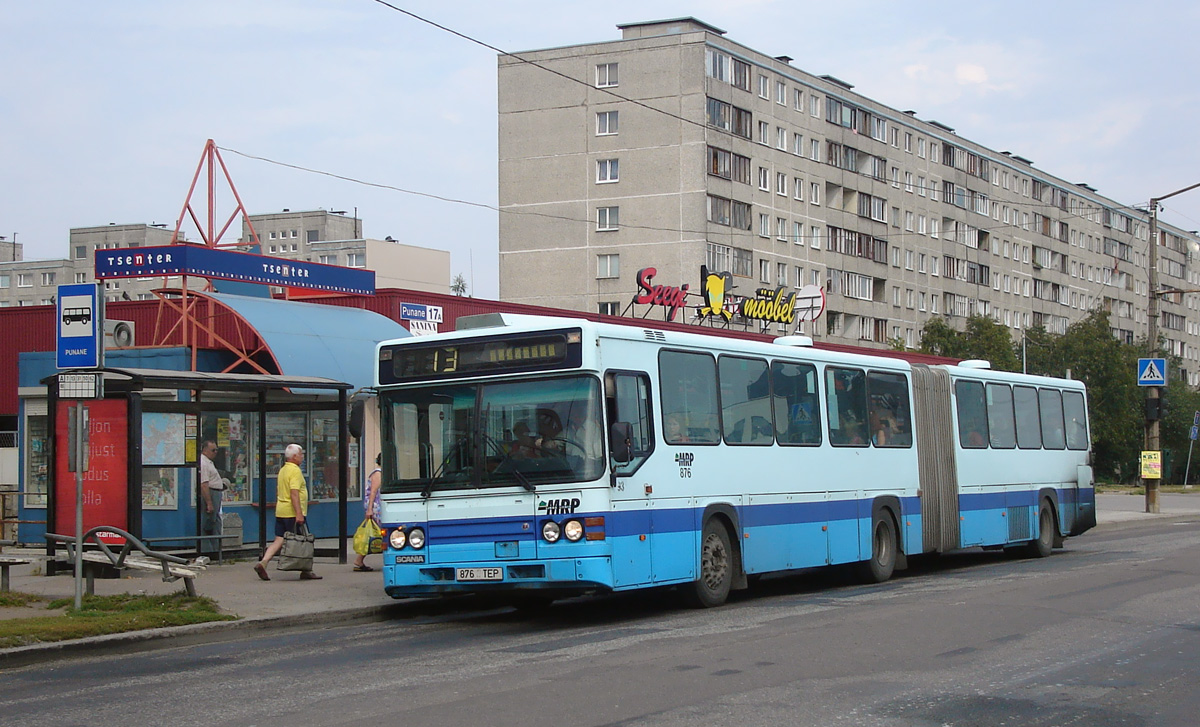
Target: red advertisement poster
[106,481]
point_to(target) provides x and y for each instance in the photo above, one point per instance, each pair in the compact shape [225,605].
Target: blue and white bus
[546,457]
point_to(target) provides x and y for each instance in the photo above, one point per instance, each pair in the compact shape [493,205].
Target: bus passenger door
[627,401]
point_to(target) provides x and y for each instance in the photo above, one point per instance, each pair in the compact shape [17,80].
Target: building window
[272,235]
[781,180]
[606,123]
[79,278]
[764,87]
[5,280]
[80,252]
[781,93]
[48,278]
[764,131]
[311,236]
[606,75]
[328,259]
[24,280]
[611,308]
[764,177]
[356,259]
[814,195]
[781,138]
[814,105]
[798,188]
[764,271]
[607,218]
[743,262]
[781,273]
[608,266]
[292,234]
[798,99]
[764,225]
[781,228]
[607,171]
[741,75]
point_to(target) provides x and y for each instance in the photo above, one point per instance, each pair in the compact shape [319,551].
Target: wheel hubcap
[714,562]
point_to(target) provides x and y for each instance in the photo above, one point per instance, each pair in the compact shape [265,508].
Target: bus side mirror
[620,438]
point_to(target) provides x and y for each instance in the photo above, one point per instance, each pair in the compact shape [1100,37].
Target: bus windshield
[503,434]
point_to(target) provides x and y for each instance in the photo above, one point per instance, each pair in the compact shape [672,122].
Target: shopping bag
[297,550]
[368,539]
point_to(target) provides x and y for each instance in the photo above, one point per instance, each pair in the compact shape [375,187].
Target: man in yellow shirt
[291,508]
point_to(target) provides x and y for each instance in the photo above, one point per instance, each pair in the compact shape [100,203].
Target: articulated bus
[549,457]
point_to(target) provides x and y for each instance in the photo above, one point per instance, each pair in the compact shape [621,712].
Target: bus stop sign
[78,326]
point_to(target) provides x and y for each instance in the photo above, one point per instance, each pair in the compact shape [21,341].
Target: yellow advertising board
[1151,465]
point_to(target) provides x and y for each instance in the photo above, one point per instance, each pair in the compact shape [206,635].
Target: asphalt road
[1104,633]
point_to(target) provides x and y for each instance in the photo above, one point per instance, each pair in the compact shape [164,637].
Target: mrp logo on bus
[558,506]
[685,461]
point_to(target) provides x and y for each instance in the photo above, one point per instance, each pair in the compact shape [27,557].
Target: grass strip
[102,615]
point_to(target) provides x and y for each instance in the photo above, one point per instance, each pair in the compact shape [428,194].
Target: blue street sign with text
[77,326]
[207,262]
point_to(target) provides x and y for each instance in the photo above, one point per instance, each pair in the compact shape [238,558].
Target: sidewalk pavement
[342,596]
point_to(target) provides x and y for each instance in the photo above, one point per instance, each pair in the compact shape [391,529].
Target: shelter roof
[210,381]
[308,339]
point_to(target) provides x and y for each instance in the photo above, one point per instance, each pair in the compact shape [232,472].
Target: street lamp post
[1152,427]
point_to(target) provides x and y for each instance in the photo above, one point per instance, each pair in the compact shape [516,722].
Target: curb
[171,637]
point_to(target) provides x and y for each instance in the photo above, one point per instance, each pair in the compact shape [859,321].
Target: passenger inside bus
[674,430]
[523,445]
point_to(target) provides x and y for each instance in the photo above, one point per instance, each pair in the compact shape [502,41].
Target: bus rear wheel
[1044,544]
[712,586]
[882,563]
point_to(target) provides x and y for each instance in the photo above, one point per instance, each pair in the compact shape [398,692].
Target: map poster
[163,438]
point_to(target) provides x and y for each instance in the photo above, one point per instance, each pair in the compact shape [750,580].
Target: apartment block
[676,147]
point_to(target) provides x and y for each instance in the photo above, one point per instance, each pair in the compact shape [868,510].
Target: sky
[105,108]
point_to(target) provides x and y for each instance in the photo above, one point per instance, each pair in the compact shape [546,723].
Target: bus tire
[1043,545]
[882,563]
[711,587]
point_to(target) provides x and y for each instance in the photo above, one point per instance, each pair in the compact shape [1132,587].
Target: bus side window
[972,415]
[797,414]
[688,388]
[1001,427]
[846,407]
[627,395]
[1029,424]
[1076,415]
[888,413]
[1050,404]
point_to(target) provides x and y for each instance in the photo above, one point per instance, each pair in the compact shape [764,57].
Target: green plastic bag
[368,539]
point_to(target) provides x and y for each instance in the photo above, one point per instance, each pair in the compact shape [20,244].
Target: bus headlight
[573,529]
[397,538]
[416,538]
[551,531]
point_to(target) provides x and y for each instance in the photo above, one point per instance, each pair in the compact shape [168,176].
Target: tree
[459,286]
[1108,367]
[983,338]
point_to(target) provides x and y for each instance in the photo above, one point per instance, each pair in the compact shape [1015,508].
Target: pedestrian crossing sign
[1152,372]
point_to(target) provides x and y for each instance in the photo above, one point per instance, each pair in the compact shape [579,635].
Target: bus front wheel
[712,586]
[879,567]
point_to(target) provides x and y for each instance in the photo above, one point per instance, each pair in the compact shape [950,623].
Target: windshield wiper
[517,474]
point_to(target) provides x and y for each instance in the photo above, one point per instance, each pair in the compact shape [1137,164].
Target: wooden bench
[6,562]
[172,567]
[171,571]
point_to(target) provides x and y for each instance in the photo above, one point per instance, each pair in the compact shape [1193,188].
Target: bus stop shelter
[122,442]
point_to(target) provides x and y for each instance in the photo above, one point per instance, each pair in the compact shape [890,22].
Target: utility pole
[1152,423]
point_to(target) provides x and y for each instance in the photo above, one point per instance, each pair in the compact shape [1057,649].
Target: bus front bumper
[564,576]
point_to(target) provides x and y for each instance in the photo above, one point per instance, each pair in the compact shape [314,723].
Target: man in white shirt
[212,486]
